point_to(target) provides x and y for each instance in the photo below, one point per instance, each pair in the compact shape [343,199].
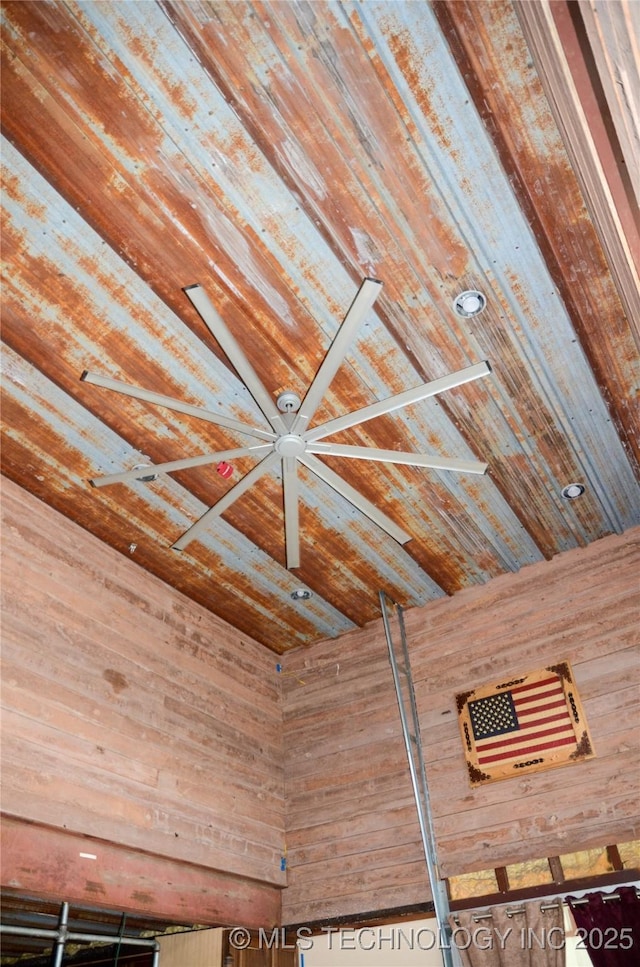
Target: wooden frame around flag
[529,723]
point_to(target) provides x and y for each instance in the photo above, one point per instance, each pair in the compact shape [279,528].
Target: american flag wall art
[528,723]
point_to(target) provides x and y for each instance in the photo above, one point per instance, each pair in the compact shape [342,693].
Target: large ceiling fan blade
[291,522]
[355,498]
[218,328]
[187,463]
[400,400]
[229,498]
[365,297]
[172,404]
[397,456]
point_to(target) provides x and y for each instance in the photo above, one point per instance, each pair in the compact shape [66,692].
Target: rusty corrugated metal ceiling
[277,154]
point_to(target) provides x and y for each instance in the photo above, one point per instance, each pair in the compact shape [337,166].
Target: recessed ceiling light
[572,490]
[469,303]
[301,594]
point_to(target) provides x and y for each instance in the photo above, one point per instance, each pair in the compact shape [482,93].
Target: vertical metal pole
[58,950]
[401,670]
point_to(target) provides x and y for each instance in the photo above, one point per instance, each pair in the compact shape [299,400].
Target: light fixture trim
[288,402]
[145,477]
[301,594]
[469,303]
[572,491]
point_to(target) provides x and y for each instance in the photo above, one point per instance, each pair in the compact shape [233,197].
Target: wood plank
[327,872]
[222,736]
[398,897]
[617,630]
[335,895]
[68,558]
[76,614]
[46,862]
[171,825]
[565,783]
[80,715]
[75,750]
[329,805]
[256,819]
[328,836]
[354,841]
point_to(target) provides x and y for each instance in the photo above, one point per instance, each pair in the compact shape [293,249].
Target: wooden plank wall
[54,864]
[129,713]
[352,834]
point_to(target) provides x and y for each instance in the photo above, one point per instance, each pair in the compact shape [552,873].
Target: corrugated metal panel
[278,154]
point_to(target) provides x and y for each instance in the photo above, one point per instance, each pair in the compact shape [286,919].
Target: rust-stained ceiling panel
[278,154]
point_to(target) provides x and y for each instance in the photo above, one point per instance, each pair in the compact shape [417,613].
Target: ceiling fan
[290,441]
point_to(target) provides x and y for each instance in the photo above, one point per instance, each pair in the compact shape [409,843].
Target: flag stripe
[515,745]
[536,709]
[547,694]
[527,750]
[532,685]
[534,693]
[524,736]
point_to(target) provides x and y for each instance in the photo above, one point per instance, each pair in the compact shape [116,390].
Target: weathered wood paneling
[40,861]
[352,831]
[131,714]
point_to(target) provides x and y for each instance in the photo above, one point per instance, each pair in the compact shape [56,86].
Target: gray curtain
[534,937]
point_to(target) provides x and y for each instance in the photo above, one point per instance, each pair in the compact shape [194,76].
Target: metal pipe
[61,936]
[28,932]
[555,905]
[76,937]
[415,757]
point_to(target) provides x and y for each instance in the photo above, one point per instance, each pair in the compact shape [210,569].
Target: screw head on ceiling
[469,303]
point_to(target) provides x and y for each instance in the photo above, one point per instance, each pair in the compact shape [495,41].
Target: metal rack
[61,935]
